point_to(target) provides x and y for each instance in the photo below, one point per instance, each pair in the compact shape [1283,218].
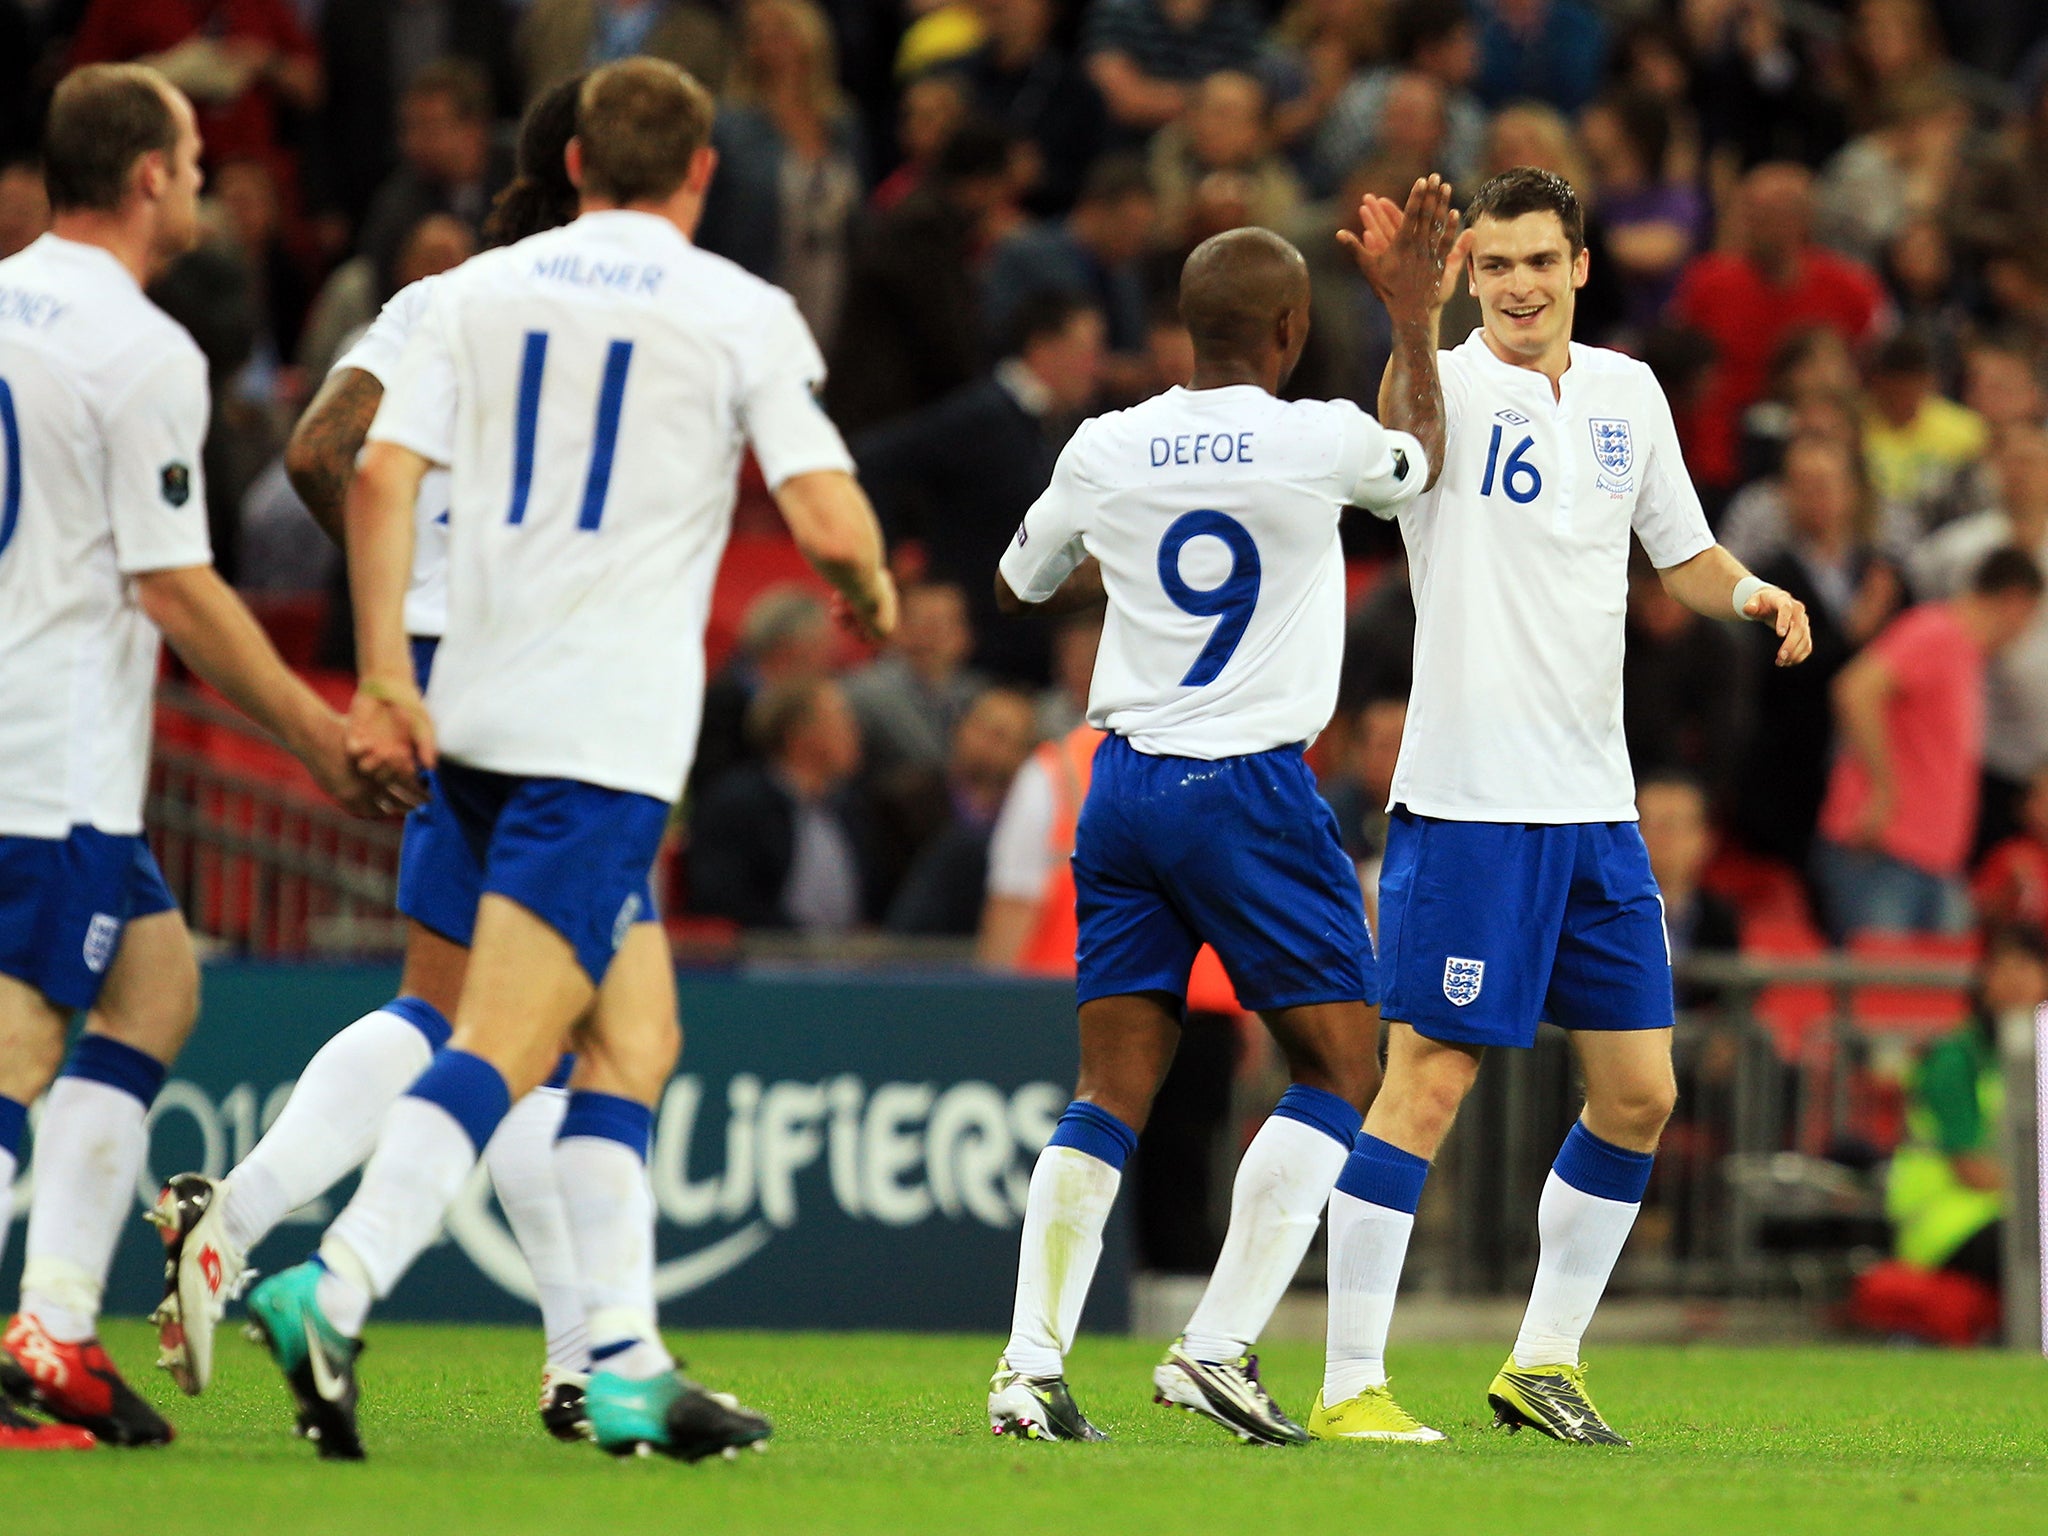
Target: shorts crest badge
[101,935]
[1462,979]
[1612,445]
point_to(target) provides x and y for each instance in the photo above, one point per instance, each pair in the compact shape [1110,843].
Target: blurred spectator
[1358,791]
[942,892]
[1894,46]
[1916,439]
[1431,38]
[354,291]
[1379,642]
[1654,225]
[2011,884]
[1762,91]
[1681,682]
[911,699]
[929,110]
[1946,1189]
[910,328]
[1824,558]
[2016,729]
[1774,279]
[1096,252]
[24,207]
[1023,79]
[1550,51]
[2002,384]
[958,477]
[2004,203]
[448,162]
[778,843]
[248,197]
[1671,813]
[1227,131]
[557,38]
[1650,56]
[788,180]
[242,62]
[1814,387]
[1063,703]
[1145,56]
[1919,268]
[785,636]
[1904,168]
[1314,51]
[371,50]
[1901,806]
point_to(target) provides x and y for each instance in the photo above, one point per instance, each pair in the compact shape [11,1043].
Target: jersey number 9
[1230,602]
[1519,477]
[604,442]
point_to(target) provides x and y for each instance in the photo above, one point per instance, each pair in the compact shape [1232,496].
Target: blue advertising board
[835,1151]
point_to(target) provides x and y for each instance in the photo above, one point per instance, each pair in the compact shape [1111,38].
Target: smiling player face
[1526,279]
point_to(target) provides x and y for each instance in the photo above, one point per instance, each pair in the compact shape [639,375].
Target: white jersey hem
[1542,816]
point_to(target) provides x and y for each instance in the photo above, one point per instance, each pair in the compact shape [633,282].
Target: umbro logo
[1512,418]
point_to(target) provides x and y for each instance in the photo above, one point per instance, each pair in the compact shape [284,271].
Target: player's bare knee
[1633,1114]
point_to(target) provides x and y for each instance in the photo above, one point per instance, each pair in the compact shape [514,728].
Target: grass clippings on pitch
[885,1433]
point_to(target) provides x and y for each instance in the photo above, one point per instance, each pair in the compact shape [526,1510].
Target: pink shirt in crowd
[1934,728]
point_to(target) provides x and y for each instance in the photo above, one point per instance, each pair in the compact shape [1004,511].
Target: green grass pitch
[885,1433]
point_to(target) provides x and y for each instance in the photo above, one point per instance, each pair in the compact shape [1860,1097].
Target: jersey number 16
[604,443]
[1518,477]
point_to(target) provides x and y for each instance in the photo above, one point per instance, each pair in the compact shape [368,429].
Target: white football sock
[90,1150]
[610,1209]
[422,1157]
[1275,1206]
[328,1126]
[1064,1214]
[521,1157]
[1368,1245]
[1582,1238]
[6,1199]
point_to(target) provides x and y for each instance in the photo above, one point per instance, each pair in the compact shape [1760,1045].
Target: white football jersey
[377,352]
[1519,560]
[1214,515]
[591,389]
[103,407]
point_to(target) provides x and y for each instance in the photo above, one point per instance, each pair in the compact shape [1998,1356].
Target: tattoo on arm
[1412,392]
[321,457]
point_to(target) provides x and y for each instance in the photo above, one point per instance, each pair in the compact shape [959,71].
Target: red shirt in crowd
[1934,736]
[1726,297]
[242,127]
[2011,885]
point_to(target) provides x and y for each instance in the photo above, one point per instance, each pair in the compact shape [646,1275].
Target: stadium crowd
[1821,227]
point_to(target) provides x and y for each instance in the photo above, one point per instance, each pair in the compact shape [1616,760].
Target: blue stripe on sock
[564,1069]
[611,1118]
[13,1122]
[1380,1172]
[602,1352]
[1087,1128]
[1321,1110]
[424,1017]
[1601,1169]
[100,1059]
[470,1089]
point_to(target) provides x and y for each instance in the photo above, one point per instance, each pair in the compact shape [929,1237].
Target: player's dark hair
[1420,24]
[541,196]
[1525,189]
[1041,315]
[103,118]
[640,121]
[466,84]
[2007,570]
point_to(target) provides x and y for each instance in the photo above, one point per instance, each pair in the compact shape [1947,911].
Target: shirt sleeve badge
[176,483]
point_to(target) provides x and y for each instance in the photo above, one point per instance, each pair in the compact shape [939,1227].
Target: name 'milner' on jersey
[1519,560]
[1213,513]
[591,389]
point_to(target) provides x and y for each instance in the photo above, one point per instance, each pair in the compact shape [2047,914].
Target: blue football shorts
[64,902]
[1487,927]
[1240,853]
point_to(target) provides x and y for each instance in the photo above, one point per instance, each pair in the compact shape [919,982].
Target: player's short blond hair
[641,121]
[103,118]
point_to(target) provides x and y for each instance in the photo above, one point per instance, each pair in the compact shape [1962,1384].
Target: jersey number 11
[610,396]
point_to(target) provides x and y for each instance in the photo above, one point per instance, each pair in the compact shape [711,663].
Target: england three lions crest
[1463,979]
[1614,450]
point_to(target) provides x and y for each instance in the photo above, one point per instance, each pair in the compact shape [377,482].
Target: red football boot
[77,1384]
[18,1432]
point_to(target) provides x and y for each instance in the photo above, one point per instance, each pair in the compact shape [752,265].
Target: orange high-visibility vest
[1070,764]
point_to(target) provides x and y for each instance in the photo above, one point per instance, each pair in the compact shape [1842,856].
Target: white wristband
[1745,589]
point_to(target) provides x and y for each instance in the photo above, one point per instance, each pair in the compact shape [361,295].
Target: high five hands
[1412,256]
